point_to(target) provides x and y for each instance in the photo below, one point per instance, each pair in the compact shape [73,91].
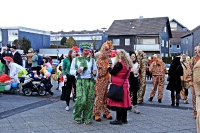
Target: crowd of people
[89,75]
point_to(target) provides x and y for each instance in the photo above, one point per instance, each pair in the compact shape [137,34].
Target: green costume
[83,106]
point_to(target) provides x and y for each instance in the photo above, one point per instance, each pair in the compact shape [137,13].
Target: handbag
[168,78]
[117,92]
[65,93]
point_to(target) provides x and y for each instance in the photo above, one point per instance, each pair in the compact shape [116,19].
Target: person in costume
[185,85]
[174,85]
[158,70]
[196,81]
[189,78]
[84,69]
[142,76]
[102,82]
[68,78]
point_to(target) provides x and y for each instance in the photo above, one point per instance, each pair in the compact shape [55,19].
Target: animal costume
[83,106]
[196,80]
[184,83]
[189,78]
[158,70]
[141,77]
[102,82]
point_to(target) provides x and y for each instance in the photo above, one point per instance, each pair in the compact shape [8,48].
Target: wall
[4,37]
[187,46]
[196,35]
[37,40]
[164,36]
[122,42]
[174,48]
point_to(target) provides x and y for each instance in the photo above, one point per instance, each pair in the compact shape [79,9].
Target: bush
[167,60]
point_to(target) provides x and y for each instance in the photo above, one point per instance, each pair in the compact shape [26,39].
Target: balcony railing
[147,47]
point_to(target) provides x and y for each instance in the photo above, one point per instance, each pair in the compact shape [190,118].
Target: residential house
[95,37]
[178,30]
[150,35]
[38,38]
[190,40]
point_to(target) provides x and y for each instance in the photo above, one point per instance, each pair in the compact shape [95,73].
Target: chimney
[141,17]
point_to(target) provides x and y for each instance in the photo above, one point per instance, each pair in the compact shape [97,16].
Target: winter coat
[117,77]
[175,73]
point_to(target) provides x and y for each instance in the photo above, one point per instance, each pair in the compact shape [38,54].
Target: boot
[108,116]
[195,115]
[150,99]
[159,100]
[173,100]
[136,110]
[97,118]
[177,99]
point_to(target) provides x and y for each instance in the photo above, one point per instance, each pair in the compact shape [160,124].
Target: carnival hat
[84,45]
[8,58]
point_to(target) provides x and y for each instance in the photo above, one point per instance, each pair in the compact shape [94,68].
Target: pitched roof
[138,26]
[178,23]
[192,31]
[78,32]
[176,36]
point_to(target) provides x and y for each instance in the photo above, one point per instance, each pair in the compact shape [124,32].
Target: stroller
[32,84]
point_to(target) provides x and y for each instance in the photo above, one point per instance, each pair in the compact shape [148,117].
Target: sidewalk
[47,115]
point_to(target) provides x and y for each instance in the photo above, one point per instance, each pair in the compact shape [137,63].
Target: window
[127,41]
[186,41]
[178,46]
[170,46]
[162,54]
[166,44]
[165,29]
[12,32]
[148,41]
[173,25]
[163,43]
[116,42]
[166,55]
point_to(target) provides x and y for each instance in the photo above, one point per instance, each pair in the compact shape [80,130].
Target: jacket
[34,60]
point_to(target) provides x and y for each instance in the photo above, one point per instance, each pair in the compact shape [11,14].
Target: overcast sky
[67,15]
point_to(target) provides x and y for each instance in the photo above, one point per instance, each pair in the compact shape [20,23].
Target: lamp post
[104,30]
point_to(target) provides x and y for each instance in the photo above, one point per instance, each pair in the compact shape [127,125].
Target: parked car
[167,68]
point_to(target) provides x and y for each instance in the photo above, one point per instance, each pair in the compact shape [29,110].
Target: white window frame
[127,43]
[163,43]
[151,41]
[166,44]
[165,29]
[13,32]
[177,46]
[116,40]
